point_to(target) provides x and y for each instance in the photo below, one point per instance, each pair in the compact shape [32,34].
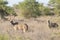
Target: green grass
[4,37]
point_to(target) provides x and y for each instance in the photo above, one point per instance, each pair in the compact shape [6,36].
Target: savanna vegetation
[4,9]
[31,9]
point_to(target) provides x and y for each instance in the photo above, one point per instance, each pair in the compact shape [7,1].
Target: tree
[29,8]
[56,5]
[2,8]
[10,10]
[41,8]
[45,10]
[5,10]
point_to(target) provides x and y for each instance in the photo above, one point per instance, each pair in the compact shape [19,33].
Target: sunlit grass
[4,37]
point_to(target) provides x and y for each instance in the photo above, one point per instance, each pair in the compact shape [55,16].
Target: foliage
[48,11]
[2,8]
[56,5]
[45,10]
[41,8]
[10,10]
[29,8]
[5,10]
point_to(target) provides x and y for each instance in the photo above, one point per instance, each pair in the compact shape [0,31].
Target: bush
[29,8]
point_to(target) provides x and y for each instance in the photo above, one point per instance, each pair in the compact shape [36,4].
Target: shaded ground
[38,29]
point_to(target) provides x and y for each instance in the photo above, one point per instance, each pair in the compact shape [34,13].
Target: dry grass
[38,29]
